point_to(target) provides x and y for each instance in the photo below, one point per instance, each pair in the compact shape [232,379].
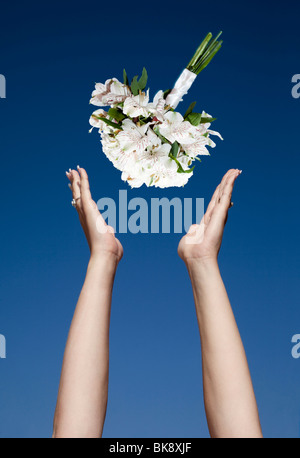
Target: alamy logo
[296,88]
[137,216]
[2,87]
[296,347]
[2,347]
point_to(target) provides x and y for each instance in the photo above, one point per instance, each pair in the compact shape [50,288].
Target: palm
[100,236]
[204,240]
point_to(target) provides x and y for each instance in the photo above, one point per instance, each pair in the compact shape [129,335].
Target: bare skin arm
[83,389]
[229,398]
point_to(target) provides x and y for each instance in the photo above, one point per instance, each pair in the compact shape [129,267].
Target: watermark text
[296,87]
[296,347]
[2,347]
[2,87]
[164,215]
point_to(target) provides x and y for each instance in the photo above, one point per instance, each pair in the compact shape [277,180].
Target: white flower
[204,128]
[185,161]
[198,147]
[95,121]
[157,107]
[174,128]
[137,105]
[132,138]
[110,93]
[165,175]
[213,132]
[110,146]
[113,151]
[133,178]
[143,158]
[155,154]
[156,168]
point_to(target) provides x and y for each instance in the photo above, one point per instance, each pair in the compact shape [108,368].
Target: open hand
[203,241]
[100,237]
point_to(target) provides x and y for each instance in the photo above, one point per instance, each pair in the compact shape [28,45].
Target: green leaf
[177,162]
[201,48]
[196,157]
[180,169]
[194,118]
[204,54]
[134,86]
[110,123]
[116,114]
[190,109]
[143,80]
[163,139]
[174,149]
[210,49]
[125,77]
[205,61]
[205,120]
[144,120]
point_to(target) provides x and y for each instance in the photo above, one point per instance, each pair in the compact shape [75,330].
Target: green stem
[204,53]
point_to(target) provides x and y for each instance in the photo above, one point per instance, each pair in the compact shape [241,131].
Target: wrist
[202,263]
[105,262]
[202,267]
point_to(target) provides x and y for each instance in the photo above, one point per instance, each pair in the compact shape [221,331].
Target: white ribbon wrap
[181,88]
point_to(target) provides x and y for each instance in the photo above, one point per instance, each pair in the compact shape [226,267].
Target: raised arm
[230,403]
[82,396]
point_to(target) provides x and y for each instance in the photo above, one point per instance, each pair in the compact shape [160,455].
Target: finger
[216,196]
[225,198]
[219,215]
[75,182]
[75,188]
[84,184]
[68,174]
[225,179]
[86,197]
[212,202]
[229,172]
[88,202]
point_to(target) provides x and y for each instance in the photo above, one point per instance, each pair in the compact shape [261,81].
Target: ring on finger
[74,201]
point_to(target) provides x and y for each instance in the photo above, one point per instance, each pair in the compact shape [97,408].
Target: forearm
[230,403]
[82,398]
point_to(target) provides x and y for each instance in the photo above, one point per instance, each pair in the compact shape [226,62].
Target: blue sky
[51,56]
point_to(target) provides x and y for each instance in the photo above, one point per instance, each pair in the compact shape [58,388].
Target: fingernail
[78,166]
[70,186]
[70,170]
[67,173]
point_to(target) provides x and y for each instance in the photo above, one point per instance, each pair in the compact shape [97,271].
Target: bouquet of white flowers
[150,142]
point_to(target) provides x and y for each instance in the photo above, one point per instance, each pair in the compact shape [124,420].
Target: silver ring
[74,202]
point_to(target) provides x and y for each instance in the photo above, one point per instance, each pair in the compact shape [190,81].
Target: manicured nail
[70,170]
[67,173]
[78,167]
